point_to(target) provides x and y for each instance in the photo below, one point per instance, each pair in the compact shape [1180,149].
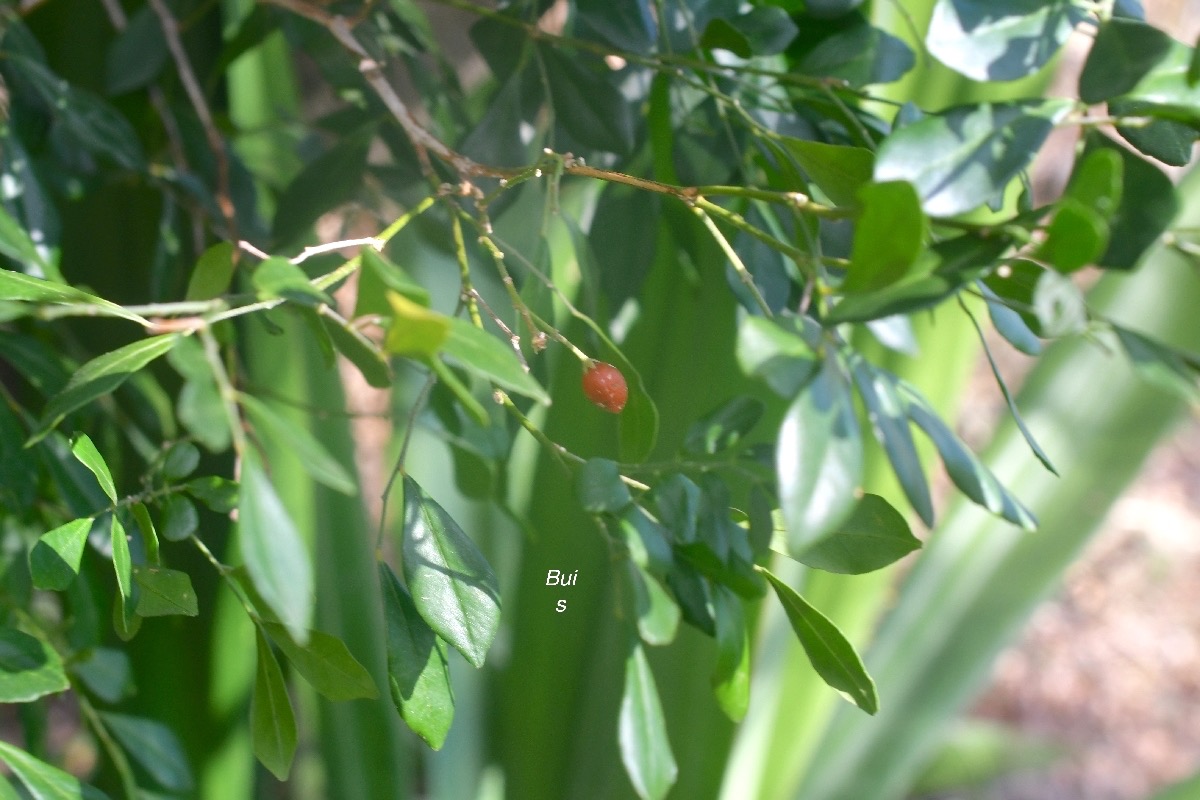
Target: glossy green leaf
[731,676]
[831,654]
[415,331]
[988,41]
[778,350]
[178,518]
[328,181]
[968,473]
[272,722]
[212,274]
[164,592]
[819,459]
[723,427]
[642,731]
[295,437]
[888,236]
[219,494]
[123,567]
[874,536]
[100,376]
[890,424]
[44,782]
[418,672]
[1123,52]
[491,358]
[359,351]
[839,170]
[1076,237]
[278,277]
[657,614]
[325,662]
[84,450]
[154,747]
[586,100]
[275,555]
[451,582]
[1159,364]
[54,561]
[29,667]
[599,487]
[966,156]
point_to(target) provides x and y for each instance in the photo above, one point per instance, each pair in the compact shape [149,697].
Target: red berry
[605,386]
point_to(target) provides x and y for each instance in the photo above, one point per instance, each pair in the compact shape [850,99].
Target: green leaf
[418,672]
[1148,204]
[1161,365]
[43,781]
[831,654]
[731,676]
[1076,237]
[329,180]
[599,487]
[55,559]
[890,424]
[272,722]
[274,553]
[378,273]
[219,494]
[853,50]
[819,459]
[1123,52]
[451,582]
[961,159]
[178,518]
[325,663]
[415,332]
[137,54]
[586,100]
[164,592]
[1096,181]
[642,731]
[278,277]
[180,460]
[888,236]
[988,41]
[100,376]
[107,673]
[26,288]
[761,31]
[1009,324]
[29,667]
[1168,141]
[485,355]
[874,536]
[839,170]
[779,350]
[123,567]
[212,274]
[155,747]
[90,457]
[968,473]
[359,351]
[657,613]
[723,427]
[295,437]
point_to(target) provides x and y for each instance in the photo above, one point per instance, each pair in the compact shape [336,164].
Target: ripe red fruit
[605,386]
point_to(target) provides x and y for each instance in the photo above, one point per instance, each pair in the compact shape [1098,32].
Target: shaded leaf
[55,559]
[487,356]
[179,518]
[642,731]
[586,101]
[278,277]
[164,592]
[839,170]
[599,487]
[325,662]
[1076,237]
[874,536]
[272,722]
[1161,365]
[1147,205]
[731,676]
[657,614]
[83,449]
[137,54]
[988,41]
[29,667]
[213,272]
[888,236]
[155,747]
[328,181]
[359,351]
[780,350]
[219,494]
[295,437]
[723,427]
[123,567]
[1123,52]
[43,781]
[1009,324]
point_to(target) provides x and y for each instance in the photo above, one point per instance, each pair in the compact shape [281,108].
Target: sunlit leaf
[55,559]
[642,731]
[44,782]
[874,536]
[325,662]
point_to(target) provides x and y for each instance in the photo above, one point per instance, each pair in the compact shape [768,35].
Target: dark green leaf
[839,170]
[874,536]
[968,473]
[819,459]
[123,567]
[888,236]
[723,427]
[779,350]
[99,377]
[489,357]
[359,351]
[180,460]
[1123,52]
[418,672]
[1166,140]
[178,518]
[988,41]
[451,582]
[966,156]
[164,592]
[272,722]
[43,781]
[761,31]
[29,667]
[831,654]
[328,181]
[642,731]
[273,551]
[890,424]
[295,437]
[325,663]
[26,288]
[90,457]
[599,487]
[212,274]
[731,676]
[1148,204]
[859,54]
[586,100]
[278,277]
[155,747]
[107,673]
[138,53]
[219,494]
[55,559]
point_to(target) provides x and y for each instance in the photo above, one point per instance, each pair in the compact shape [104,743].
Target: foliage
[723,201]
